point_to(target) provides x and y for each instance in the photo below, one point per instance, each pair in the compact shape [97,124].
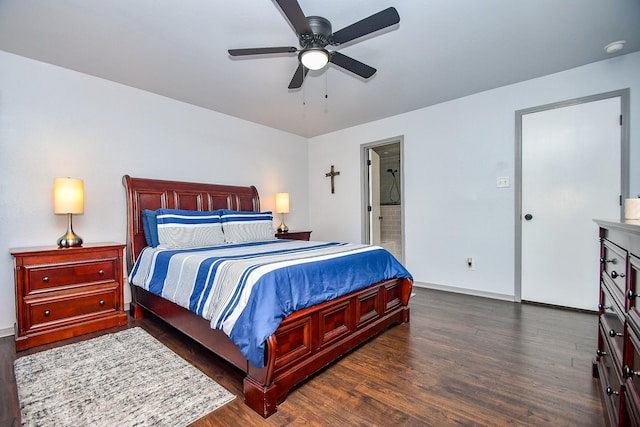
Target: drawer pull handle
[45,279]
[628,372]
[602,307]
[615,274]
[611,391]
[631,294]
[101,302]
[47,313]
[613,333]
[601,353]
[612,261]
[101,272]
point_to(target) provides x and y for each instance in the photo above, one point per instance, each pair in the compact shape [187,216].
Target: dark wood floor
[461,361]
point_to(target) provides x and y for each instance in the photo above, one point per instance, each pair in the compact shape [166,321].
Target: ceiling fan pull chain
[326,84]
[326,91]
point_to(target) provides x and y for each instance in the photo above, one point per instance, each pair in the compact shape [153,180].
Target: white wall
[453,153]
[56,123]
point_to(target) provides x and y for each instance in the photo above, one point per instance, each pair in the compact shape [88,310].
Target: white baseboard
[464,291]
[5,332]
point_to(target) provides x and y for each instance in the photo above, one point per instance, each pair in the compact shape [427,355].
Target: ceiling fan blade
[262,50]
[298,77]
[350,64]
[375,22]
[293,12]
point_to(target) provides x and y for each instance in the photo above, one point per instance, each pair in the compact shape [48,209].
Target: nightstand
[66,292]
[294,235]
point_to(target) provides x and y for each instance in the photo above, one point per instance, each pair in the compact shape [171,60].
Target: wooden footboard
[310,339]
[305,342]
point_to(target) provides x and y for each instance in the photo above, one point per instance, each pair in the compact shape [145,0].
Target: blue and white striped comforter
[248,289]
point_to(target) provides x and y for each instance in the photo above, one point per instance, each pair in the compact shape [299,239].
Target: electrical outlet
[471,265]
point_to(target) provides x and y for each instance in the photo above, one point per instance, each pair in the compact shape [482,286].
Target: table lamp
[282,207]
[68,199]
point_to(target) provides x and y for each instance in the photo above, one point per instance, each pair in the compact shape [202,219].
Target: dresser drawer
[634,282]
[611,384]
[615,266]
[72,306]
[610,305]
[612,331]
[49,277]
[630,400]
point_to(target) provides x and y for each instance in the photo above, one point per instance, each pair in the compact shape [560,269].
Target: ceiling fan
[314,34]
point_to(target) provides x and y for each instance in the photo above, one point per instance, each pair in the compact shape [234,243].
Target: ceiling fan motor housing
[320,33]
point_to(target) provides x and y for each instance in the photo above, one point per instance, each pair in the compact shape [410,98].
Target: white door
[374,197]
[571,174]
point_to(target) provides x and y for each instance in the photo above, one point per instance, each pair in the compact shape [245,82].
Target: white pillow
[243,226]
[179,228]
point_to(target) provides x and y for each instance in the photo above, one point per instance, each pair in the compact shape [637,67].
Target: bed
[305,341]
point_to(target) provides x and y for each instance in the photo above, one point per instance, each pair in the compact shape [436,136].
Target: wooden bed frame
[306,340]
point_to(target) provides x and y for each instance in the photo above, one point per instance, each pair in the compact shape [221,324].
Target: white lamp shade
[282,202]
[68,196]
[314,59]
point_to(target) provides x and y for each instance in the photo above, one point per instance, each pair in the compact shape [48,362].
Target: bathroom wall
[390,192]
[391,229]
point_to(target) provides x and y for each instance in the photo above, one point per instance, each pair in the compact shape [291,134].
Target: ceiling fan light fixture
[314,58]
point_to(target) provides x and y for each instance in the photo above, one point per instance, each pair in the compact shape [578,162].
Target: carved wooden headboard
[153,194]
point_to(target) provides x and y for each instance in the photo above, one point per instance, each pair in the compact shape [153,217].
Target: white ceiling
[440,50]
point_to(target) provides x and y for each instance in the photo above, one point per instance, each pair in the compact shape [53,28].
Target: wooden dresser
[65,292]
[617,361]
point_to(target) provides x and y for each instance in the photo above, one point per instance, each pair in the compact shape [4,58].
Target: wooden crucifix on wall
[332,174]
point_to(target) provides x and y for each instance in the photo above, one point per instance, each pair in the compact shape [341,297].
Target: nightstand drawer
[49,277]
[294,235]
[80,304]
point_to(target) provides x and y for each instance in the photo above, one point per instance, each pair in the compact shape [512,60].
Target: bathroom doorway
[383,201]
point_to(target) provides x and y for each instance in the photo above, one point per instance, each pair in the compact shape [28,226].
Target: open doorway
[383,201]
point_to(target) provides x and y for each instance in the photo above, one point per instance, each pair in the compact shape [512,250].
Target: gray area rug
[123,379]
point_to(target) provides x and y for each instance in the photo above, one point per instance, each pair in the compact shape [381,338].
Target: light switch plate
[502,182]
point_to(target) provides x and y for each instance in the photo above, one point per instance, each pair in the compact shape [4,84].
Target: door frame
[364,185]
[624,165]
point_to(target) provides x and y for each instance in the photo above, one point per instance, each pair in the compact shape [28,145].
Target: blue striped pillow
[243,226]
[179,228]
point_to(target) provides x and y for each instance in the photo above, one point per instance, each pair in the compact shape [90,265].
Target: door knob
[528,217]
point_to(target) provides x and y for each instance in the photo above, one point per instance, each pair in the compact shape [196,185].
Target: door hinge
[368,162]
[620,119]
[369,208]
[620,200]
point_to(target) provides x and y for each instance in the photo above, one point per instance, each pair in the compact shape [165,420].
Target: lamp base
[69,239]
[282,228]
